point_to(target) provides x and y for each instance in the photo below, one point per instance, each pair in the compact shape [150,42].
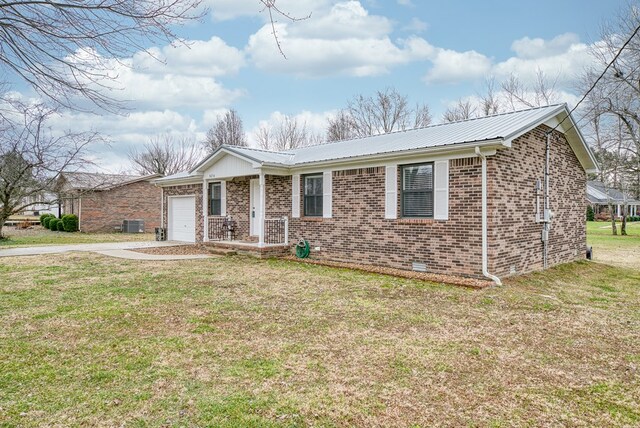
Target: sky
[435,52]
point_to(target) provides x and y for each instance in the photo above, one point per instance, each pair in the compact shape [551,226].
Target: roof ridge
[255,149]
[435,125]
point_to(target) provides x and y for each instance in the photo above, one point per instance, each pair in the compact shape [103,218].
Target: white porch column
[619,211]
[205,210]
[262,202]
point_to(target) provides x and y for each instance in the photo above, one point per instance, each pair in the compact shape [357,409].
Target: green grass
[88,340]
[39,236]
[612,249]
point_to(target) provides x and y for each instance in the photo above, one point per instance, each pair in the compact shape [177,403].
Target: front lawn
[41,236]
[88,340]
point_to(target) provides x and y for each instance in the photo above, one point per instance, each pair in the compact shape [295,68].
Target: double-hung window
[215,198]
[417,190]
[313,195]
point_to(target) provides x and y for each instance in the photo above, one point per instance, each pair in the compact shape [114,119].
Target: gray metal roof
[99,181]
[497,128]
[599,193]
[500,126]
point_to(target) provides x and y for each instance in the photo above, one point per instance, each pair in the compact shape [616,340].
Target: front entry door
[254,207]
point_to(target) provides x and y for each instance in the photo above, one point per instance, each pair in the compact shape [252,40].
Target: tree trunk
[2,221]
[614,230]
[623,227]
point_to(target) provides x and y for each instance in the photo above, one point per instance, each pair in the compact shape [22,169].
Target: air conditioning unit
[133,226]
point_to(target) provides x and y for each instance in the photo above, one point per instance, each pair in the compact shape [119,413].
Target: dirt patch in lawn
[178,250]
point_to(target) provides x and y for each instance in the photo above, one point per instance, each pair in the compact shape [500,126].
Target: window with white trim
[215,198]
[313,195]
[417,190]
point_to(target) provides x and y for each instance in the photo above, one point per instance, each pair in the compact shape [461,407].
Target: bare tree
[273,10]
[287,134]
[340,127]
[166,155]
[228,130]
[462,110]
[385,111]
[613,102]
[32,158]
[489,100]
[421,116]
[65,49]
[541,92]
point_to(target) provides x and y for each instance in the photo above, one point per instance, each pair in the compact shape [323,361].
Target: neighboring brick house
[463,198]
[103,201]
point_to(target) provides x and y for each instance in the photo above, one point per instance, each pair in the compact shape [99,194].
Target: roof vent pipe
[485,257]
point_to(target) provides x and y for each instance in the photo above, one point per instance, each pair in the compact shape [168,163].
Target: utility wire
[593,86]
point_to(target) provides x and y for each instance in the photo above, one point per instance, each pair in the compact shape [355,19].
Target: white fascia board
[183,181]
[553,113]
[461,151]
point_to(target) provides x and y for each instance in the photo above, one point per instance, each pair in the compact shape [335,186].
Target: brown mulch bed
[432,277]
[423,276]
[179,250]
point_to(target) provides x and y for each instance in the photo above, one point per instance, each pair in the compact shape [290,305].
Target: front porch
[249,248]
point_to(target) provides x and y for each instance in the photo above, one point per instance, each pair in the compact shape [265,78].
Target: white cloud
[416,25]
[559,59]
[345,41]
[207,58]
[162,87]
[450,66]
[527,48]
[223,10]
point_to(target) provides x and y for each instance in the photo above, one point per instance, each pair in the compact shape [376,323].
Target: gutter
[485,250]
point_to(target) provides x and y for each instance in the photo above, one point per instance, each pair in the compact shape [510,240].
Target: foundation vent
[419,267]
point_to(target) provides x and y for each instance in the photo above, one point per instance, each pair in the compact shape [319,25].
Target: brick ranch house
[103,201]
[464,198]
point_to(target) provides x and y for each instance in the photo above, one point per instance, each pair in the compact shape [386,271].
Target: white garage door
[182,219]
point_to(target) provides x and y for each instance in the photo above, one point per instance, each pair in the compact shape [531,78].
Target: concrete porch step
[221,251]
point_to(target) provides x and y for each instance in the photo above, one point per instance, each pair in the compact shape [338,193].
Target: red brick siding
[103,211]
[515,237]
[186,190]
[359,232]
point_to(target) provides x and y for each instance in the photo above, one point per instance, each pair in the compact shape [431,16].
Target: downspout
[485,250]
[547,210]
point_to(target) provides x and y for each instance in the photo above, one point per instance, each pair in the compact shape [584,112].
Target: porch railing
[276,230]
[221,229]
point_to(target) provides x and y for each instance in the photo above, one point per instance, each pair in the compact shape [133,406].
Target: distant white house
[601,196]
[39,208]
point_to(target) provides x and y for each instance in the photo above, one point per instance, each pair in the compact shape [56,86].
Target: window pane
[418,177]
[215,199]
[417,190]
[313,185]
[313,196]
[417,204]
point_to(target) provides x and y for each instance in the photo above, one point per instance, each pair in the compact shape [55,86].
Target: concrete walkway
[114,249]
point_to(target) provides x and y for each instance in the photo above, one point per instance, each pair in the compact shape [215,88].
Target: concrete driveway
[114,249]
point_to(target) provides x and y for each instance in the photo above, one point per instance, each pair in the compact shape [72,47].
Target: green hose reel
[303,249]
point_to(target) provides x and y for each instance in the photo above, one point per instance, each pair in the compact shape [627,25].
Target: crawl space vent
[419,267]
